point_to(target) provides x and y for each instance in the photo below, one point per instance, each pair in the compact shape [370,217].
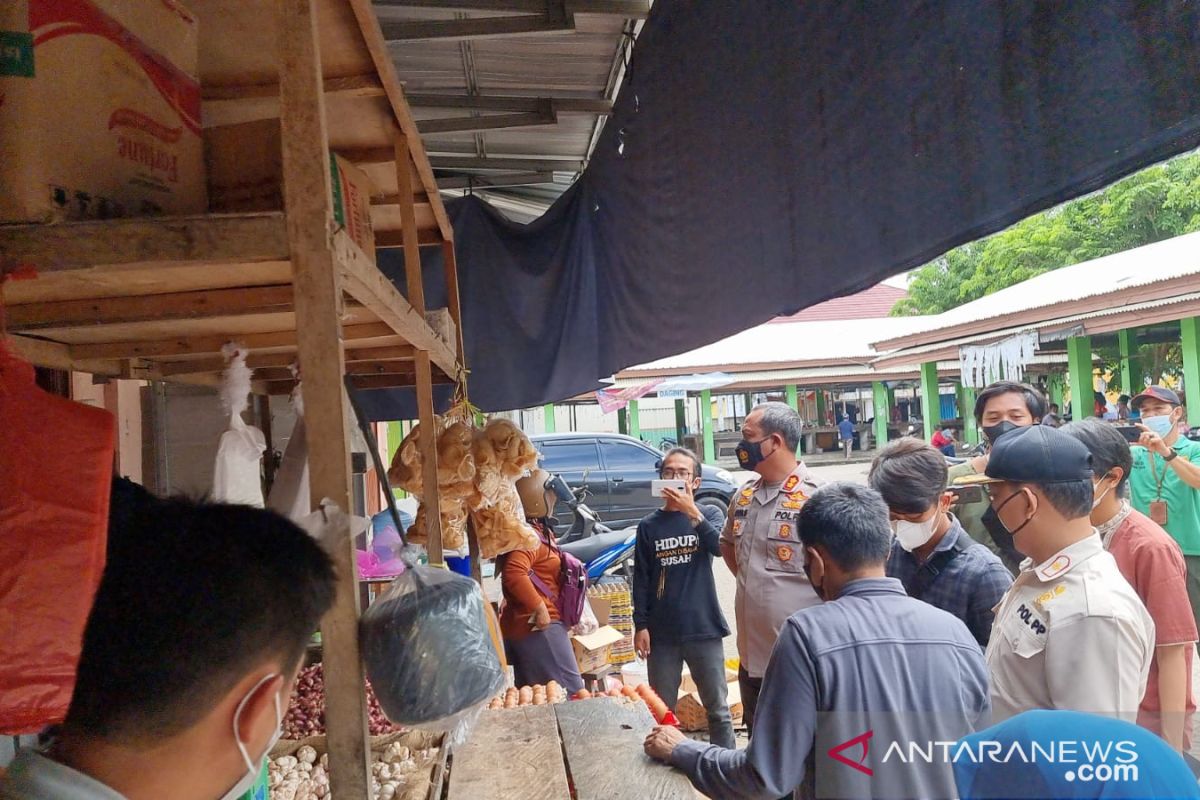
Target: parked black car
[618,473]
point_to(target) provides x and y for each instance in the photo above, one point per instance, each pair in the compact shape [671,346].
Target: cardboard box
[99,110]
[591,650]
[244,164]
[691,712]
[687,685]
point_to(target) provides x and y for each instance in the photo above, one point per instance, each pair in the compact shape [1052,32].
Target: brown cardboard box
[693,717]
[591,650]
[99,110]
[244,164]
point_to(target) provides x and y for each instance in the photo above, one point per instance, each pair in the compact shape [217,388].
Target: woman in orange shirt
[536,641]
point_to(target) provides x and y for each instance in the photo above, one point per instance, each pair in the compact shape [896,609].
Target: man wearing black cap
[1165,478]
[1071,633]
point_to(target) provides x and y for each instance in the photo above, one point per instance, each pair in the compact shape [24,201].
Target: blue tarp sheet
[765,156]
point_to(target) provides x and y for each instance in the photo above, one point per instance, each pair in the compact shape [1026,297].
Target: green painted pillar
[966,408]
[622,421]
[635,423]
[680,421]
[1127,342]
[883,412]
[930,408]
[548,411]
[821,418]
[793,396]
[1079,368]
[706,424]
[1189,332]
[1055,384]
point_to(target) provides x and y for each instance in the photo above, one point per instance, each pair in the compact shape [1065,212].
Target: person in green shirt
[999,408]
[1165,478]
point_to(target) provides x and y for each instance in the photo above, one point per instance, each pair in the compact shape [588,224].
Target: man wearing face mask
[759,541]
[1165,478]
[868,658]
[1070,633]
[1000,407]
[189,655]
[932,555]
[1153,564]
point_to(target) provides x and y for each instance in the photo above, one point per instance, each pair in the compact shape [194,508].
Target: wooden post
[450,264]
[622,422]
[680,421]
[821,418]
[430,498]
[931,411]
[1079,366]
[883,413]
[317,304]
[1189,334]
[706,425]
[408,222]
[1127,343]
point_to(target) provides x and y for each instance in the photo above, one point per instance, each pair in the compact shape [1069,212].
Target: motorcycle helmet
[537,498]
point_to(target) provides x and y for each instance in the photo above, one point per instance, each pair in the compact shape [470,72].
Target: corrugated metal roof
[1143,266]
[788,342]
[869,303]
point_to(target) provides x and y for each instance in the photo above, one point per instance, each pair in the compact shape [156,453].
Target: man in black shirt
[675,608]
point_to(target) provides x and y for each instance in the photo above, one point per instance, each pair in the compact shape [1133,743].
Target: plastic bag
[428,652]
[587,622]
[56,461]
[236,477]
[290,493]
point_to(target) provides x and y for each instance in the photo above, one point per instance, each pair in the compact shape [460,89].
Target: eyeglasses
[675,474]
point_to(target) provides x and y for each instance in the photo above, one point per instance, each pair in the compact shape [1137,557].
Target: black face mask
[994,432]
[750,454]
[1012,532]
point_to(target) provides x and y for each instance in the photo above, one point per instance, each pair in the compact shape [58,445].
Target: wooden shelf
[171,289]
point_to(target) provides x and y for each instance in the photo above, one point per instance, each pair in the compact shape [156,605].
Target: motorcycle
[602,550]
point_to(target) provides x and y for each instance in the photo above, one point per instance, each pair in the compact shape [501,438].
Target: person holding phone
[1165,477]
[676,614]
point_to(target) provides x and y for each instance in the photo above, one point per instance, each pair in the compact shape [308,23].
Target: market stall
[288,156]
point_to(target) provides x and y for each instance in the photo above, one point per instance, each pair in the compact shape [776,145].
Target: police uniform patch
[784,552]
[1049,594]
[743,501]
[1058,566]
[791,484]
[785,531]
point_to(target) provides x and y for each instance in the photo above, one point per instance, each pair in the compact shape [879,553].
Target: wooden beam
[350,86]
[381,57]
[478,28]
[429,460]
[211,239]
[425,238]
[318,299]
[507,164]
[495,181]
[511,103]
[206,345]
[524,119]
[450,268]
[418,200]
[415,284]
[147,308]
[368,355]
[56,355]
[366,284]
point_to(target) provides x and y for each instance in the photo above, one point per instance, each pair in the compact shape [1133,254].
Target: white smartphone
[656,487]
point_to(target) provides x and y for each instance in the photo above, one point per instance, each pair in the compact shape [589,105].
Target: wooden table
[528,753]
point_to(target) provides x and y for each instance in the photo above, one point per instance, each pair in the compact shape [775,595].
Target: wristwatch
[1171,456]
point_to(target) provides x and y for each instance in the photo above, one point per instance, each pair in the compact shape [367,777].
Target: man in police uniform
[1071,633]
[760,545]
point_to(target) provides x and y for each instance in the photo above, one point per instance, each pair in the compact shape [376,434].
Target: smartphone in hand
[657,486]
[1132,433]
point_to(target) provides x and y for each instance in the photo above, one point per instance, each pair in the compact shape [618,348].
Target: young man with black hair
[1071,633]
[869,658]
[676,613]
[999,408]
[189,655]
[1153,564]
[932,555]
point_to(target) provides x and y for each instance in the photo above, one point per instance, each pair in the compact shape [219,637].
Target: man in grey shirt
[856,687]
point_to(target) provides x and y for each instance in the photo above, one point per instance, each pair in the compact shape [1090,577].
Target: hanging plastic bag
[236,477]
[56,460]
[290,494]
[428,651]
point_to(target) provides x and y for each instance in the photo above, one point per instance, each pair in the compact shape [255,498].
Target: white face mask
[253,768]
[912,535]
[1096,502]
[1161,424]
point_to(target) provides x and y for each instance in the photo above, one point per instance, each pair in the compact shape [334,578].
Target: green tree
[1154,204]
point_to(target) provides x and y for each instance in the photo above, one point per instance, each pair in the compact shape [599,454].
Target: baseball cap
[1156,393]
[1037,454]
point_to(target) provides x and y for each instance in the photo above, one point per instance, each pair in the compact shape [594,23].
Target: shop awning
[762,157]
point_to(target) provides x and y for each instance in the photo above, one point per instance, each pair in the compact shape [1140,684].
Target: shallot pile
[537,695]
[306,711]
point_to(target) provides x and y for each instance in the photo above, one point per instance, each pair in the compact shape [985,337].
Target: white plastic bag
[236,477]
[587,621]
[290,493]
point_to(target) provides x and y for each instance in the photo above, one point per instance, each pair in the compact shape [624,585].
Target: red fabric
[938,440]
[55,480]
[1153,564]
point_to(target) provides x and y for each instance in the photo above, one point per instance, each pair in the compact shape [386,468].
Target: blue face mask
[1161,424]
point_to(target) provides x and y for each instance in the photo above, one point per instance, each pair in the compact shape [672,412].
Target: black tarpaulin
[765,156]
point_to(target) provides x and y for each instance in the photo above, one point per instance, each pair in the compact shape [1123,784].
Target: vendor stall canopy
[763,157]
